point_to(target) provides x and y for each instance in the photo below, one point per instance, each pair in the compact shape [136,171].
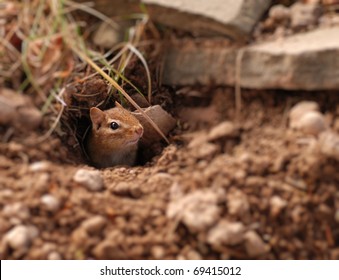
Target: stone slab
[190,62]
[235,19]
[308,61]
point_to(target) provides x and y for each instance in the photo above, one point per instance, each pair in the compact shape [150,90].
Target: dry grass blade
[238,104]
[120,89]
[148,74]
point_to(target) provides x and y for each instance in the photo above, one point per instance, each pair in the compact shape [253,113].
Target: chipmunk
[114,137]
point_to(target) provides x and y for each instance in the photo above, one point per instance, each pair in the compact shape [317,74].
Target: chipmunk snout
[139,130]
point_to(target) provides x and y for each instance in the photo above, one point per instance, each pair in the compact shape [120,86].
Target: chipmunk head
[116,127]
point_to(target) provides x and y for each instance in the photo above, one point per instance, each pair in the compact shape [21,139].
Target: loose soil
[258,180]
[228,186]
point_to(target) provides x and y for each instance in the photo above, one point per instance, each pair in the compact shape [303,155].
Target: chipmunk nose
[139,130]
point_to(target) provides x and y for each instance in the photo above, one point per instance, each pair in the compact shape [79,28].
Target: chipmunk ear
[118,105]
[97,117]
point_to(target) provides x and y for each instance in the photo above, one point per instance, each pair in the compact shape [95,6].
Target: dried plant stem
[119,88]
[238,104]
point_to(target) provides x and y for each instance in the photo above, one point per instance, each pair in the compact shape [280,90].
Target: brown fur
[107,147]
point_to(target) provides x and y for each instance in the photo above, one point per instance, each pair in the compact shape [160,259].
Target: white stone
[228,17]
[312,123]
[222,130]
[305,61]
[329,144]
[279,12]
[91,179]
[50,202]
[237,203]
[94,224]
[39,166]
[299,110]
[254,245]
[197,210]
[17,210]
[277,204]
[20,237]
[227,233]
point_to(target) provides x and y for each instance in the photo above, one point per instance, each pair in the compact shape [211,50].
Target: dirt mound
[221,189]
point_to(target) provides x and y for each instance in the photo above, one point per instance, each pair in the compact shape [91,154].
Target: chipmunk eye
[114,125]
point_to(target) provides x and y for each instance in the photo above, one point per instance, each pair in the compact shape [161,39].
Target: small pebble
[197,210]
[329,144]
[225,232]
[237,203]
[17,210]
[312,123]
[254,245]
[303,15]
[94,225]
[50,202]
[20,237]
[299,110]
[39,166]
[279,12]
[54,256]
[277,204]
[91,179]
[222,130]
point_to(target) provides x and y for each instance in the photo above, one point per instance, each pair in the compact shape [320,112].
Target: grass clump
[45,48]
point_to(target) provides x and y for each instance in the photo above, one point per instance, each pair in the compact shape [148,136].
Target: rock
[197,210]
[304,15]
[16,210]
[205,150]
[223,130]
[94,225]
[108,35]
[226,233]
[299,110]
[91,179]
[20,237]
[187,62]
[50,202]
[39,166]
[277,204]
[54,256]
[237,203]
[158,252]
[109,249]
[29,117]
[126,189]
[16,109]
[164,121]
[312,123]
[7,111]
[306,61]
[235,19]
[329,144]
[305,116]
[279,13]
[254,245]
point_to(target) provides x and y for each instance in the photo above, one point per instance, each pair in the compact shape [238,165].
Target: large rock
[187,62]
[308,61]
[223,17]
[227,17]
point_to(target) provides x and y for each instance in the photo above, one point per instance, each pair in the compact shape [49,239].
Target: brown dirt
[255,191]
[224,188]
